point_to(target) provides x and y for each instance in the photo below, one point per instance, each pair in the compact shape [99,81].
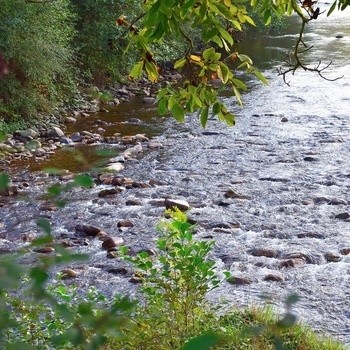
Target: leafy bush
[175,283]
[100,43]
[35,41]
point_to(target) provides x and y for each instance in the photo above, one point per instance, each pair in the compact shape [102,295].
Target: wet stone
[89,230]
[118,271]
[125,223]
[239,280]
[269,253]
[345,251]
[342,216]
[133,201]
[310,235]
[273,278]
[108,192]
[154,145]
[48,206]
[112,242]
[176,203]
[232,194]
[310,159]
[54,133]
[332,257]
[112,255]
[294,262]
[229,259]
[68,273]
[155,182]
[45,250]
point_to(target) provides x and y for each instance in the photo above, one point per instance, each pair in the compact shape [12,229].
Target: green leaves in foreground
[202,342]
[4,181]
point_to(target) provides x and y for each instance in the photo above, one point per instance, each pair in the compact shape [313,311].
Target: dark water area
[269,191]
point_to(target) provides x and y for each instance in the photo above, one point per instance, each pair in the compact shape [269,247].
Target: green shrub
[99,41]
[35,40]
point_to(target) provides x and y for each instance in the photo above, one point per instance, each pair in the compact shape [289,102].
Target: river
[269,190]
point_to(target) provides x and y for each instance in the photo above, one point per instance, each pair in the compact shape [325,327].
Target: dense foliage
[35,42]
[48,47]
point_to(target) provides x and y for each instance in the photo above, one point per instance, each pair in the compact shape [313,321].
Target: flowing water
[286,163]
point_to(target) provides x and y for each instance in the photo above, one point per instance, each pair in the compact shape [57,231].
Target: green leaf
[180,63]
[187,5]
[226,35]
[238,95]
[39,275]
[260,76]
[178,112]
[332,8]
[244,58]
[162,106]
[202,342]
[54,190]
[151,71]
[136,70]
[208,54]
[44,225]
[292,299]
[83,181]
[224,72]
[4,181]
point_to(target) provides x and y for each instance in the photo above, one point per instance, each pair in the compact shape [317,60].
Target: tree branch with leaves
[215,20]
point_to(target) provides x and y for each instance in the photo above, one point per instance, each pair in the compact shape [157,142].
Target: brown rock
[155,182]
[68,273]
[332,257]
[345,251]
[293,262]
[176,203]
[125,223]
[133,201]
[112,242]
[273,278]
[89,230]
[269,253]
[48,206]
[45,250]
[108,192]
[239,280]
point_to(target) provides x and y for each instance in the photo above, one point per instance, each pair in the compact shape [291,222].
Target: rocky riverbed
[273,192]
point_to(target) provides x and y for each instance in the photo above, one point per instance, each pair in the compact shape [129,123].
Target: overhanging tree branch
[296,61]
